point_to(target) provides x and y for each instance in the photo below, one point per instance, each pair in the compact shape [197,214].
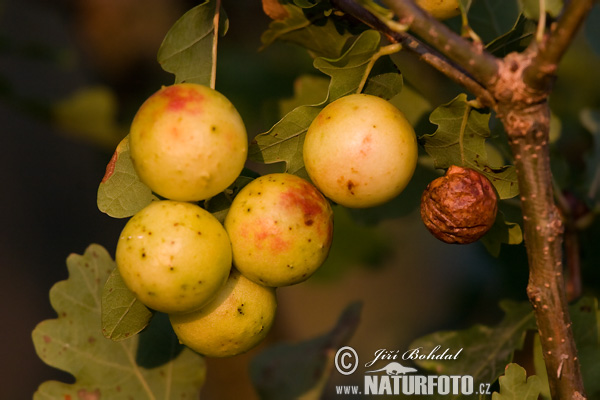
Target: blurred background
[72,74]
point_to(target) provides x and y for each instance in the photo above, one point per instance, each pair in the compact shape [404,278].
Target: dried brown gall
[459,207]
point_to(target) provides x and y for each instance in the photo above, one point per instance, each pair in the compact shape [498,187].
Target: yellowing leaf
[103,369]
[284,142]
[121,193]
[502,232]
[515,385]
[323,39]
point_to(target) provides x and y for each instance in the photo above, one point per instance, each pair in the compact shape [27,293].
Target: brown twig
[472,57]
[540,74]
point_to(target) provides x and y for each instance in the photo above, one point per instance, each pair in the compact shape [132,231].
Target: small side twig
[213,73]
[540,74]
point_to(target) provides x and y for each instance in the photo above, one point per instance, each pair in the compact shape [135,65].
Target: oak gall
[459,207]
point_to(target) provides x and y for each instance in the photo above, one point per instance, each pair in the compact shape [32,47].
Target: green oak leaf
[493,18]
[308,89]
[347,71]
[123,315]
[460,140]
[187,49]
[121,193]
[517,39]
[502,232]
[102,368]
[486,350]
[385,85]
[319,35]
[515,385]
[283,143]
[301,370]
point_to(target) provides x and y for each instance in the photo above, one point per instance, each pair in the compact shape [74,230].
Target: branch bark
[470,56]
[554,45]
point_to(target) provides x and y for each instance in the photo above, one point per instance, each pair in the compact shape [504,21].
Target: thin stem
[383,51]
[541,22]
[213,74]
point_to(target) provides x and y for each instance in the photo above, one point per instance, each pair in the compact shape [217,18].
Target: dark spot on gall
[351,186]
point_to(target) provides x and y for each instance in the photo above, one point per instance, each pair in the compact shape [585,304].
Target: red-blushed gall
[459,207]
[281,229]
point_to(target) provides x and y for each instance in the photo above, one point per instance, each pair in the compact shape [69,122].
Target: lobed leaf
[502,232]
[102,368]
[515,385]
[517,39]
[301,370]
[486,350]
[121,193]
[308,89]
[187,49]
[347,71]
[493,18]
[283,143]
[460,140]
[386,85]
[123,315]
[324,38]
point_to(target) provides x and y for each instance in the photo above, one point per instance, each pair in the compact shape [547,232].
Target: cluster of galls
[218,281]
